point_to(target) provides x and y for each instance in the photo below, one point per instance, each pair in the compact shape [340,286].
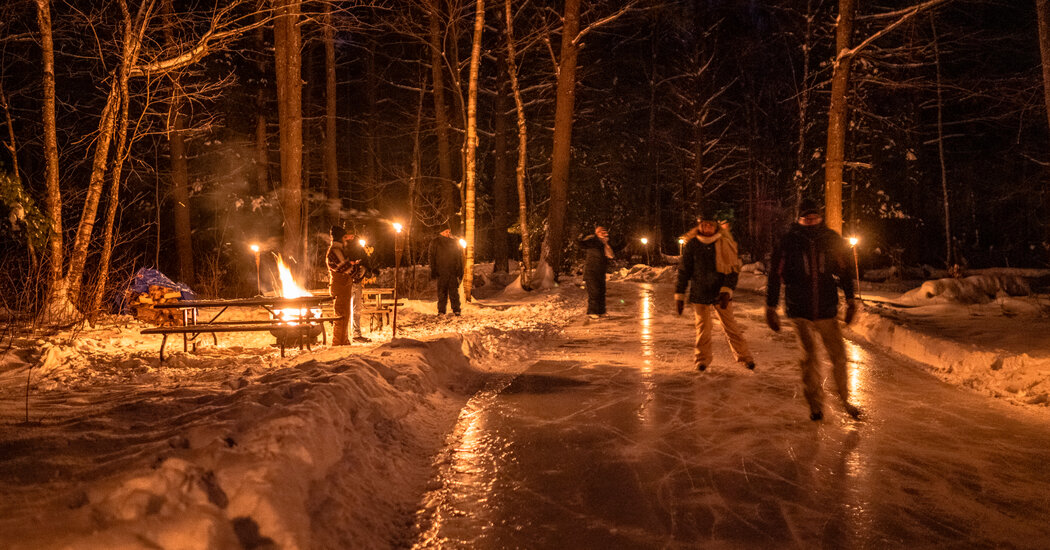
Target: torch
[398,248]
[856,266]
[645,243]
[681,243]
[258,284]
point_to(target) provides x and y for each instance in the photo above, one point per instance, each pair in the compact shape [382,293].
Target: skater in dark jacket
[446,267]
[597,253]
[812,263]
[709,268]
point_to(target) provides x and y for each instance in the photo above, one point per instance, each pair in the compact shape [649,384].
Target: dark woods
[184,132]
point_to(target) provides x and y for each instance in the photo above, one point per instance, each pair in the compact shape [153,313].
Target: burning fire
[289,289]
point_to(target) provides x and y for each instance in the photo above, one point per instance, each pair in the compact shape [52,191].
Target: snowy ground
[233,445]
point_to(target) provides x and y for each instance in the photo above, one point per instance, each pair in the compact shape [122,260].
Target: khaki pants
[734,333]
[812,375]
[348,308]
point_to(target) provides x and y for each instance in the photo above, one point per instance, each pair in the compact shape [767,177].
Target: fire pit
[298,330]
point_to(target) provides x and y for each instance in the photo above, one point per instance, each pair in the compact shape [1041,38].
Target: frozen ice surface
[609,440]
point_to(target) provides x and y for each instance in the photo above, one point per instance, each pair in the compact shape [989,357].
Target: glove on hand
[851,312]
[679,306]
[772,319]
[723,299]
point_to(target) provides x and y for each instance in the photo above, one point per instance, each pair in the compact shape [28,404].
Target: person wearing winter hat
[812,263]
[446,267]
[348,264]
[710,268]
[596,255]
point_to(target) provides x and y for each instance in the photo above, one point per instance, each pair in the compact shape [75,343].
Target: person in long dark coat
[812,263]
[597,253]
[446,267]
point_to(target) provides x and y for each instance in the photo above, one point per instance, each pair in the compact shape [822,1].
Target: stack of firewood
[143,304]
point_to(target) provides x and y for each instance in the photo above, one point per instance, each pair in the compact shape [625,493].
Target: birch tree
[470,174]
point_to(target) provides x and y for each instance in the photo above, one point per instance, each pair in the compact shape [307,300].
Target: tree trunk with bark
[470,172]
[948,256]
[289,111]
[448,187]
[58,306]
[331,163]
[500,183]
[837,116]
[523,145]
[554,241]
[180,187]
[1043,14]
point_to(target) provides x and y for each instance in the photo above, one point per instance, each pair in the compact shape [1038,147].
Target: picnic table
[378,304]
[193,327]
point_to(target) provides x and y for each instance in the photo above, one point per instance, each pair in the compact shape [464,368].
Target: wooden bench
[239,326]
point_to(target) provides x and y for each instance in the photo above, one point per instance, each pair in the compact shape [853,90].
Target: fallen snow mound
[978,289]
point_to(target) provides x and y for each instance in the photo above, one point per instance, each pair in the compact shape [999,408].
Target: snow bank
[234,447]
[977,289]
[1016,376]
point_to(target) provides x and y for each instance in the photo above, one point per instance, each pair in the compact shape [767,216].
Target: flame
[289,289]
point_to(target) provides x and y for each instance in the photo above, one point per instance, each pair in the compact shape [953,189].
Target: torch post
[856,265]
[398,249]
[258,283]
[645,244]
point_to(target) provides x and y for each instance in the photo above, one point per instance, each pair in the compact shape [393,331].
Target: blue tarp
[141,282]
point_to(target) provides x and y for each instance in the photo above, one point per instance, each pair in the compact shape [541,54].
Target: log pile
[143,304]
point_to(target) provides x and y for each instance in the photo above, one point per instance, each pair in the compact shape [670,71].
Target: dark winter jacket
[347,262]
[701,271]
[446,258]
[595,261]
[812,262]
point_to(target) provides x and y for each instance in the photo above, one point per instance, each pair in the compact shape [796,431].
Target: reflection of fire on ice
[289,289]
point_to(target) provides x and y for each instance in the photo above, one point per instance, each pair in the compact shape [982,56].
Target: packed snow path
[610,440]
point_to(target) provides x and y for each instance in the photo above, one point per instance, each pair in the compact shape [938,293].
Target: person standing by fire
[348,265]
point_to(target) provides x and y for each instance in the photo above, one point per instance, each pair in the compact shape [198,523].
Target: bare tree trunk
[554,241]
[523,144]
[113,201]
[500,182]
[1042,8]
[948,256]
[803,109]
[180,174]
[330,153]
[262,156]
[470,173]
[837,116]
[448,187]
[289,108]
[180,190]
[371,150]
[56,284]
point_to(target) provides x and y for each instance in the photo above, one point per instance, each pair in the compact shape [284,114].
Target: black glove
[851,312]
[679,306]
[772,319]
[723,299]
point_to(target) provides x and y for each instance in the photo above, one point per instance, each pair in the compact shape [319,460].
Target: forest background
[174,134]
